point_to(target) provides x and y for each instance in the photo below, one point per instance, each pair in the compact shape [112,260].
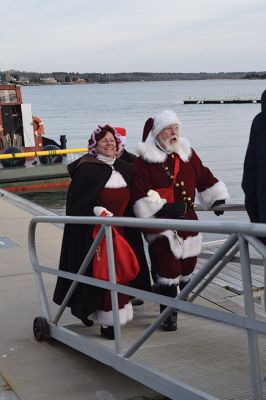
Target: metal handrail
[239,232]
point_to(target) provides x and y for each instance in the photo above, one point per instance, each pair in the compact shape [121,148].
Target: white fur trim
[181,249]
[175,242]
[152,154]
[216,192]
[106,317]
[184,278]
[146,207]
[167,281]
[98,210]
[154,196]
[116,181]
[192,246]
[184,149]
[162,120]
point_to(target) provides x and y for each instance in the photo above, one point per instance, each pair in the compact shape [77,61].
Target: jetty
[218,351]
[222,101]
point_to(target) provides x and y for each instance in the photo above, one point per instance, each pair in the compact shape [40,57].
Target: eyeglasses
[171,128]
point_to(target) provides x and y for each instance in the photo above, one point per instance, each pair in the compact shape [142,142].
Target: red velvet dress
[114,200]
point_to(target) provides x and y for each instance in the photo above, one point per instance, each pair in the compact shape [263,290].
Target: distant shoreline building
[50,80]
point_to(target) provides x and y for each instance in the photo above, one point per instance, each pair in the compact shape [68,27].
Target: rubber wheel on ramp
[40,328]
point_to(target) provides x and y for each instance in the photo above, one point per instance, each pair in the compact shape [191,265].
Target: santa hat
[159,122]
[123,133]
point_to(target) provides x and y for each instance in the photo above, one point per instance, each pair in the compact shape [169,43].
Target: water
[218,132]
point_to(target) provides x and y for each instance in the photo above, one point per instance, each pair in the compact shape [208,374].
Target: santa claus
[167,175]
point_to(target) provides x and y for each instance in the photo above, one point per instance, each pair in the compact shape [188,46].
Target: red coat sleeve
[204,177]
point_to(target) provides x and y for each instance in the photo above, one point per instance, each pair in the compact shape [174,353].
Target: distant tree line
[76,77]
[255,75]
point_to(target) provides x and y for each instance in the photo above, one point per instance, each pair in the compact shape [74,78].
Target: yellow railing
[42,153]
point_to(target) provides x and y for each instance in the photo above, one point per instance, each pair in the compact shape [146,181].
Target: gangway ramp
[215,354]
[210,356]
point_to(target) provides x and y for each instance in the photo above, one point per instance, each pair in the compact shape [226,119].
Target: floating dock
[221,101]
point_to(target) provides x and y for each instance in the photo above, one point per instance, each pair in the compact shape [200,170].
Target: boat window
[8,96]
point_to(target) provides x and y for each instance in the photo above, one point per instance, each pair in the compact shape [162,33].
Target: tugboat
[22,133]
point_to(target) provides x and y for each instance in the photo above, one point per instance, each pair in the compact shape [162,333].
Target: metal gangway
[240,237]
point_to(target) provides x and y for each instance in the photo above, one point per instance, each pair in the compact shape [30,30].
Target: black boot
[86,321]
[182,285]
[170,323]
[137,302]
[108,332]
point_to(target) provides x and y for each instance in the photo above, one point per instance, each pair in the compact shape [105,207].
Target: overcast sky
[133,35]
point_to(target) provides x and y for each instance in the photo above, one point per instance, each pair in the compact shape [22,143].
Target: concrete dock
[30,370]
[209,355]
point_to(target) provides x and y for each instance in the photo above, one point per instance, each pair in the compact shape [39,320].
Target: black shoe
[137,302]
[86,321]
[182,285]
[155,288]
[108,333]
[169,324]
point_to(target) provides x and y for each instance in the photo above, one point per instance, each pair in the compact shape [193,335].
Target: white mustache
[171,146]
[171,138]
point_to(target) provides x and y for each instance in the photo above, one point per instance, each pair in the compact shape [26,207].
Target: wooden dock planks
[231,277]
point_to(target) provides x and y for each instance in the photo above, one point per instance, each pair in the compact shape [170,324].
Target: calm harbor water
[218,132]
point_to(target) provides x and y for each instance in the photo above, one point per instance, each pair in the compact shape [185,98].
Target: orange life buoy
[37,126]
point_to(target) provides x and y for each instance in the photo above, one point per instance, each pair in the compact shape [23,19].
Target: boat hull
[33,178]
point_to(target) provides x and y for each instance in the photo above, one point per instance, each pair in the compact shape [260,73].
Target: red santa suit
[182,170]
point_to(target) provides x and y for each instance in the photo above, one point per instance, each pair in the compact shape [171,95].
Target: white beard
[151,150]
[168,147]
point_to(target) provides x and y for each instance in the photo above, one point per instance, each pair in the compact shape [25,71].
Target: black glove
[218,203]
[173,210]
